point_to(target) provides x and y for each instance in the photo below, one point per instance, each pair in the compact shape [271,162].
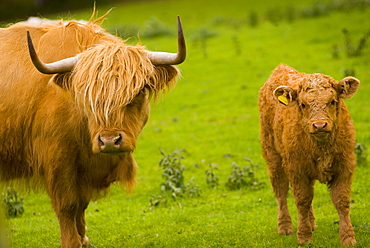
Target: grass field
[212,113]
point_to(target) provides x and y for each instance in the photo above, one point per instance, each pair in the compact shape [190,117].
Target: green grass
[211,113]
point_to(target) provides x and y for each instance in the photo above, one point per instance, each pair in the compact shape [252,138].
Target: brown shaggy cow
[72,129]
[307,134]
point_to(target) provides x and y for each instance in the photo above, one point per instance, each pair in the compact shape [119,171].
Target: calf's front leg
[340,192]
[280,185]
[303,192]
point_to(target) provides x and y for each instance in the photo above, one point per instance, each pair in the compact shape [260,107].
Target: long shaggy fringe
[110,75]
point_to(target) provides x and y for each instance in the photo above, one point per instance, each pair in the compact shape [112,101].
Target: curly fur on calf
[306,135]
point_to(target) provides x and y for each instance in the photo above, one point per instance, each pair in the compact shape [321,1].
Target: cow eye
[303,105]
[332,102]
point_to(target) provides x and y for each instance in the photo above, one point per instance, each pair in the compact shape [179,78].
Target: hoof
[285,231]
[304,241]
[85,241]
[349,242]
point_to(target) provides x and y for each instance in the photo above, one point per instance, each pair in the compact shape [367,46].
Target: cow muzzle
[109,142]
[320,129]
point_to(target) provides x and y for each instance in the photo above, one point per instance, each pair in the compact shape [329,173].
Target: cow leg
[280,185]
[72,225]
[303,192]
[81,224]
[65,201]
[340,192]
[66,215]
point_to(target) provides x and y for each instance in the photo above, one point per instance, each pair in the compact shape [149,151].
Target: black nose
[111,143]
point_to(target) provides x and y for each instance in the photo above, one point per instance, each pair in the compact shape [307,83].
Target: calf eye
[303,105]
[332,102]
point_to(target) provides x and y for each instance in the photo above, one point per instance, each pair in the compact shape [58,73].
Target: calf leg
[280,185]
[312,219]
[303,191]
[278,177]
[340,192]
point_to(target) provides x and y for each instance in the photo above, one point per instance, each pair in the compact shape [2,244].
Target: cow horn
[64,65]
[164,58]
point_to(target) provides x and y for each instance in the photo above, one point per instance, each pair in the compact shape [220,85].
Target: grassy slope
[213,112]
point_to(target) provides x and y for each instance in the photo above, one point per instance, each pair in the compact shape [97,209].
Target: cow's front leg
[65,201]
[70,238]
[340,192]
[81,224]
[303,191]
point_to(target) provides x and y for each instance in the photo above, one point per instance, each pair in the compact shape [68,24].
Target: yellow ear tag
[347,86]
[283,99]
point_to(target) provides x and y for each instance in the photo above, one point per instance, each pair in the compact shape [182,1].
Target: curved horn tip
[64,65]
[31,48]
[164,58]
[35,60]
[29,40]
[178,20]
[181,43]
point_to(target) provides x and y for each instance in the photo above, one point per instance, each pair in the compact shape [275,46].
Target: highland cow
[72,111]
[307,134]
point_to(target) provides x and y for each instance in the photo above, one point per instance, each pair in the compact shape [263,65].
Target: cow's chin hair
[97,150]
[118,153]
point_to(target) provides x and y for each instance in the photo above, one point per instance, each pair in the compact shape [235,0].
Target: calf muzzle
[320,128]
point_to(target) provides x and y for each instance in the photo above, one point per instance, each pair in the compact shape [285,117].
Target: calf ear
[348,87]
[285,95]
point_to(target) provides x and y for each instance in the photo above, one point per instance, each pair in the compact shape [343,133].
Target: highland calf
[72,111]
[306,135]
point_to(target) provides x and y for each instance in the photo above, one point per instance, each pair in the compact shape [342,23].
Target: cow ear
[348,87]
[63,80]
[285,95]
[164,77]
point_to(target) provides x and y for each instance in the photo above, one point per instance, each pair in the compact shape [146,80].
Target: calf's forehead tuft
[317,81]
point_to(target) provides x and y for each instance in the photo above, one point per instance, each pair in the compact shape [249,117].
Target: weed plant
[351,49]
[361,154]
[173,173]
[174,182]
[13,203]
[243,177]
[211,178]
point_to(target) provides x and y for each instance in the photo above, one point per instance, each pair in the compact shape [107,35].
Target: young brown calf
[307,134]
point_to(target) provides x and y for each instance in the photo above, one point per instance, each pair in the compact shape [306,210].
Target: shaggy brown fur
[52,127]
[307,134]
